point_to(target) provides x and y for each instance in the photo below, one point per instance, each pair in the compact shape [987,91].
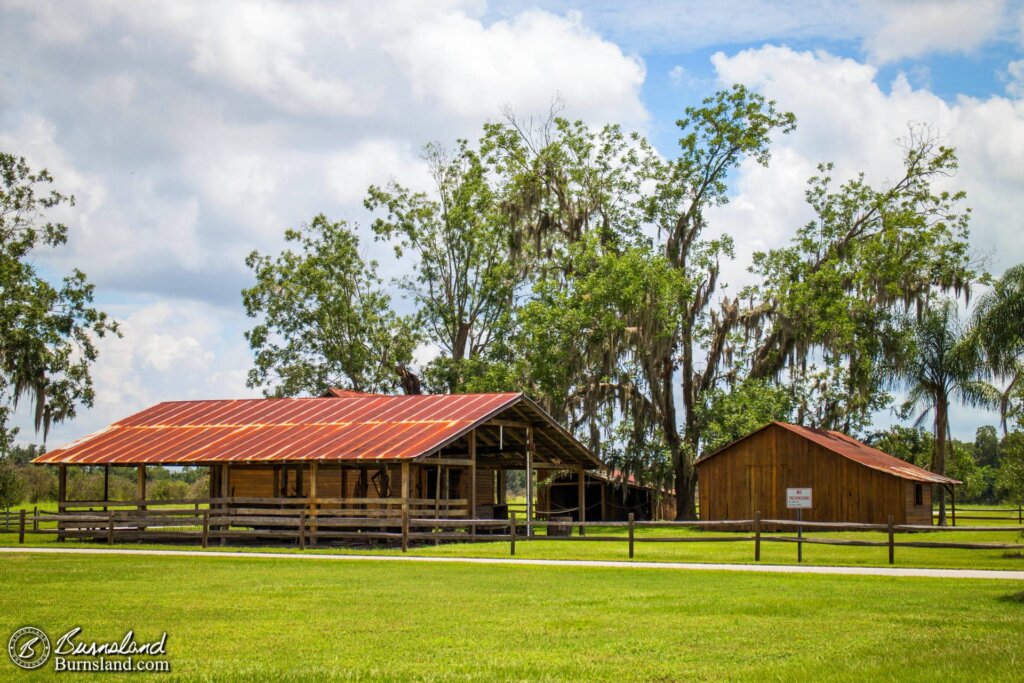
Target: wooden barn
[851,481]
[434,455]
[609,497]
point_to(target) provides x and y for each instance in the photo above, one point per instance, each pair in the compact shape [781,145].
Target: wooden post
[892,545]
[312,500]
[472,482]
[223,494]
[952,500]
[632,529]
[21,526]
[35,518]
[62,486]
[141,492]
[106,485]
[799,536]
[141,489]
[62,497]
[206,528]
[1020,513]
[529,482]
[302,529]
[581,499]
[405,506]
[110,528]
[604,504]
[512,534]
[757,536]
[437,491]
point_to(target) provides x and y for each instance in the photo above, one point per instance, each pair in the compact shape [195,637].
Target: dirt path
[771,568]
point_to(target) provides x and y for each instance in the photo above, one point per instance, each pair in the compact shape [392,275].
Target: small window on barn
[918,494]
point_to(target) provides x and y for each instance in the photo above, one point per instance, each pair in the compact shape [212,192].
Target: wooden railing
[989,514]
[309,522]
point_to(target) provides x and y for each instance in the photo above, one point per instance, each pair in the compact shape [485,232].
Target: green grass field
[254,619]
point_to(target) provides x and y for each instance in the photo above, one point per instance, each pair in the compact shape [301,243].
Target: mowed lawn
[231,618]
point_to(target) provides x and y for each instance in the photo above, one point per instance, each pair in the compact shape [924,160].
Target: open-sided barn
[609,497]
[851,481]
[439,455]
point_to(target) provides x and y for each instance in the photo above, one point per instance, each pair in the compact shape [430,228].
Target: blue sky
[192,132]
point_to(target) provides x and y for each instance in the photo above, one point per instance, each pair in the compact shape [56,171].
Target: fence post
[21,527]
[892,546]
[757,536]
[110,528]
[632,527]
[512,535]
[405,529]
[1020,513]
[799,536]
[35,518]
[7,519]
[206,528]
[302,529]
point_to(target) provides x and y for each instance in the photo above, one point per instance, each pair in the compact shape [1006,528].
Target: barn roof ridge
[851,449]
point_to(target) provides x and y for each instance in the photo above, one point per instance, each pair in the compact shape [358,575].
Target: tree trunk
[939,463]
[686,493]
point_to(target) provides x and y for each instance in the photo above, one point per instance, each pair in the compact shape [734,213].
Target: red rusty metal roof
[850,448]
[351,426]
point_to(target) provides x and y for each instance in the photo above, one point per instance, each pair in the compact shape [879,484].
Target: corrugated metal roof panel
[858,451]
[346,426]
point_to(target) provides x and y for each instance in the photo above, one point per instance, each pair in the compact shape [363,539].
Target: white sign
[798,498]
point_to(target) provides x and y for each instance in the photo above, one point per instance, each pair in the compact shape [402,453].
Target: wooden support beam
[106,484]
[405,506]
[141,494]
[515,424]
[582,500]
[472,477]
[62,483]
[223,481]
[454,462]
[529,482]
[312,500]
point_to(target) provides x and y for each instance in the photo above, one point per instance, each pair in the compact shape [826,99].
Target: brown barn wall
[753,475]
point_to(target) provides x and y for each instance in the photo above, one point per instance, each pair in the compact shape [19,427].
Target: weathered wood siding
[753,475]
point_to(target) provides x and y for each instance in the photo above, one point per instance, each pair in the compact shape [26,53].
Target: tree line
[581,266]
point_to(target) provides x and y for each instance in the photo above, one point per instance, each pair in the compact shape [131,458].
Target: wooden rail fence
[238,519]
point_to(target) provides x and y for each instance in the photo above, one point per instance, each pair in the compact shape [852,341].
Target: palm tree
[946,364]
[999,322]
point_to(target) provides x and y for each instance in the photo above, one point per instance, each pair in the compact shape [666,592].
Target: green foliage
[324,319]
[1010,481]
[943,365]
[736,412]
[12,489]
[830,305]
[464,281]
[986,446]
[47,333]
[997,318]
